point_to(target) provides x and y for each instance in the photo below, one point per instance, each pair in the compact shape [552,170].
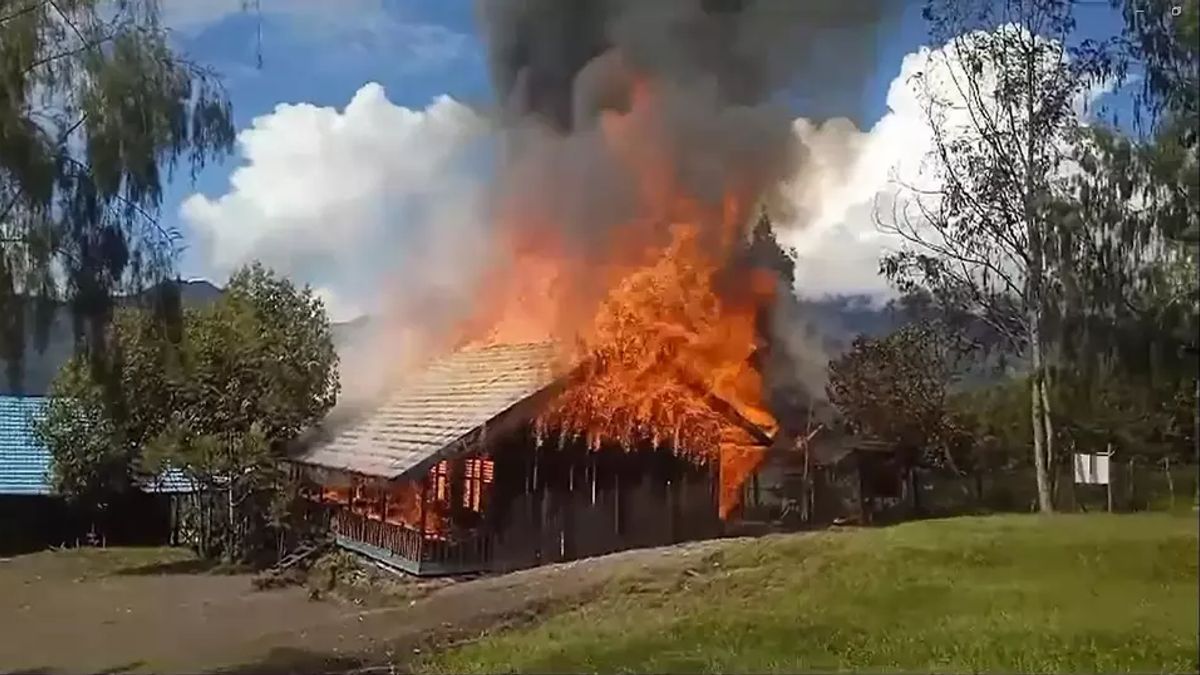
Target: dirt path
[51,622]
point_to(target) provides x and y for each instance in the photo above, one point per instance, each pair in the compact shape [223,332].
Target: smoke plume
[729,77]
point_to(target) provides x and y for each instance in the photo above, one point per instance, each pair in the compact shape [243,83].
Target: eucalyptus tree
[1001,100]
[97,112]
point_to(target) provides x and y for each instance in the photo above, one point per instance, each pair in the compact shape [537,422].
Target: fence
[1137,486]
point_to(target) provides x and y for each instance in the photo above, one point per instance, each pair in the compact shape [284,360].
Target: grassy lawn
[1097,593]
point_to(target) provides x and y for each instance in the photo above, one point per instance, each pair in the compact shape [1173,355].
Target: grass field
[1071,593]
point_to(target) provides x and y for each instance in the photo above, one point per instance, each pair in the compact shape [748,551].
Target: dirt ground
[60,613]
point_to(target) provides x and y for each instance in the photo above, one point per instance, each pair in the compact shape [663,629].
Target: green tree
[896,388]
[90,457]
[96,113]
[1000,102]
[1122,312]
[1165,40]
[248,373]
[259,367]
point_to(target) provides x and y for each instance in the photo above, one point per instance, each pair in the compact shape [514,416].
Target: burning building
[614,379]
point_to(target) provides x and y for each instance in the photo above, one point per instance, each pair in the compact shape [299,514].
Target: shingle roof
[441,404]
[25,461]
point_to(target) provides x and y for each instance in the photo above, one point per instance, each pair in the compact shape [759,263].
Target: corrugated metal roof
[444,402]
[170,481]
[25,462]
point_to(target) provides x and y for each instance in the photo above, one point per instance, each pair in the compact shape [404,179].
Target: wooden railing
[439,555]
[394,538]
[471,551]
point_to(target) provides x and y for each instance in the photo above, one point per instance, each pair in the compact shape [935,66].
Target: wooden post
[1111,472]
[424,502]
[383,508]
[1170,480]
[806,478]
[568,543]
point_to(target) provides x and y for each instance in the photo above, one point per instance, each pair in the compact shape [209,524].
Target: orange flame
[654,310]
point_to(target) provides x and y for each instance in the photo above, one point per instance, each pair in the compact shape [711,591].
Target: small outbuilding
[32,516]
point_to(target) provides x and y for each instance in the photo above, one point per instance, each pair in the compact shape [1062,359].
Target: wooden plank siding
[550,505]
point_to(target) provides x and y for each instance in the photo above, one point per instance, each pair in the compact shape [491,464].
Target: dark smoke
[725,67]
[549,56]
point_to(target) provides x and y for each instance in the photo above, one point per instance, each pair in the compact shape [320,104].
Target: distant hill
[834,320]
[41,366]
[837,320]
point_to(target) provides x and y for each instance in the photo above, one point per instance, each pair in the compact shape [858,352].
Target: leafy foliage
[895,388]
[96,111]
[248,374]
[90,457]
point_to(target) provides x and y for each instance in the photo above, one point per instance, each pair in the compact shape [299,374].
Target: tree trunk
[1048,430]
[1112,472]
[1045,505]
[1033,299]
[229,538]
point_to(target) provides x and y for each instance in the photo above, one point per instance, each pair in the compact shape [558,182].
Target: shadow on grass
[285,661]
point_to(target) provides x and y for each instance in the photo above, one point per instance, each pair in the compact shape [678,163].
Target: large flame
[656,312]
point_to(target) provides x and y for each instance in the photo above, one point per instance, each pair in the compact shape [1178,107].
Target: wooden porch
[408,549]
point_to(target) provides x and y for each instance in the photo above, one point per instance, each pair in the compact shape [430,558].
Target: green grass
[1095,593]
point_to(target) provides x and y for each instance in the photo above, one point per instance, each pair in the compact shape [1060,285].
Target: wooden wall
[561,502]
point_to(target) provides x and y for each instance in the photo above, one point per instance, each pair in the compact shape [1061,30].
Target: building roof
[836,448]
[25,461]
[438,407]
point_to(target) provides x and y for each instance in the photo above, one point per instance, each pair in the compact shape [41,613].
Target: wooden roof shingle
[427,416]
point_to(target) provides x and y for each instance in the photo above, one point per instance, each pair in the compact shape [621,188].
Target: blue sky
[323,52]
[416,49]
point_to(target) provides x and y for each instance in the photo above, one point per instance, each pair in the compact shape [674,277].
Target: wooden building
[448,475]
[33,517]
[829,477]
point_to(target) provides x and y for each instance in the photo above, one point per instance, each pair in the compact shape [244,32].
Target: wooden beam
[424,502]
[725,408]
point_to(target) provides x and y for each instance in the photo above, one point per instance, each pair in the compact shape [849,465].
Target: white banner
[1091,469]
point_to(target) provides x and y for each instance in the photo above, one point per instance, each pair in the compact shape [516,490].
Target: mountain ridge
[834,320]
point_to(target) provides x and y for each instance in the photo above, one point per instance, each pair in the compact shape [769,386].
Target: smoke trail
[722,71]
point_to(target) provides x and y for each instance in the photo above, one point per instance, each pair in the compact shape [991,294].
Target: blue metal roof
[25,462]
[171,480]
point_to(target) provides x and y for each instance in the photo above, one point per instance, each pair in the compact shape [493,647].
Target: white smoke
[851,176]
[378,207]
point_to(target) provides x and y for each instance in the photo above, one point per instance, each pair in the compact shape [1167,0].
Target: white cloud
[338,308]
[847,172]
[353,202]
[852,176]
